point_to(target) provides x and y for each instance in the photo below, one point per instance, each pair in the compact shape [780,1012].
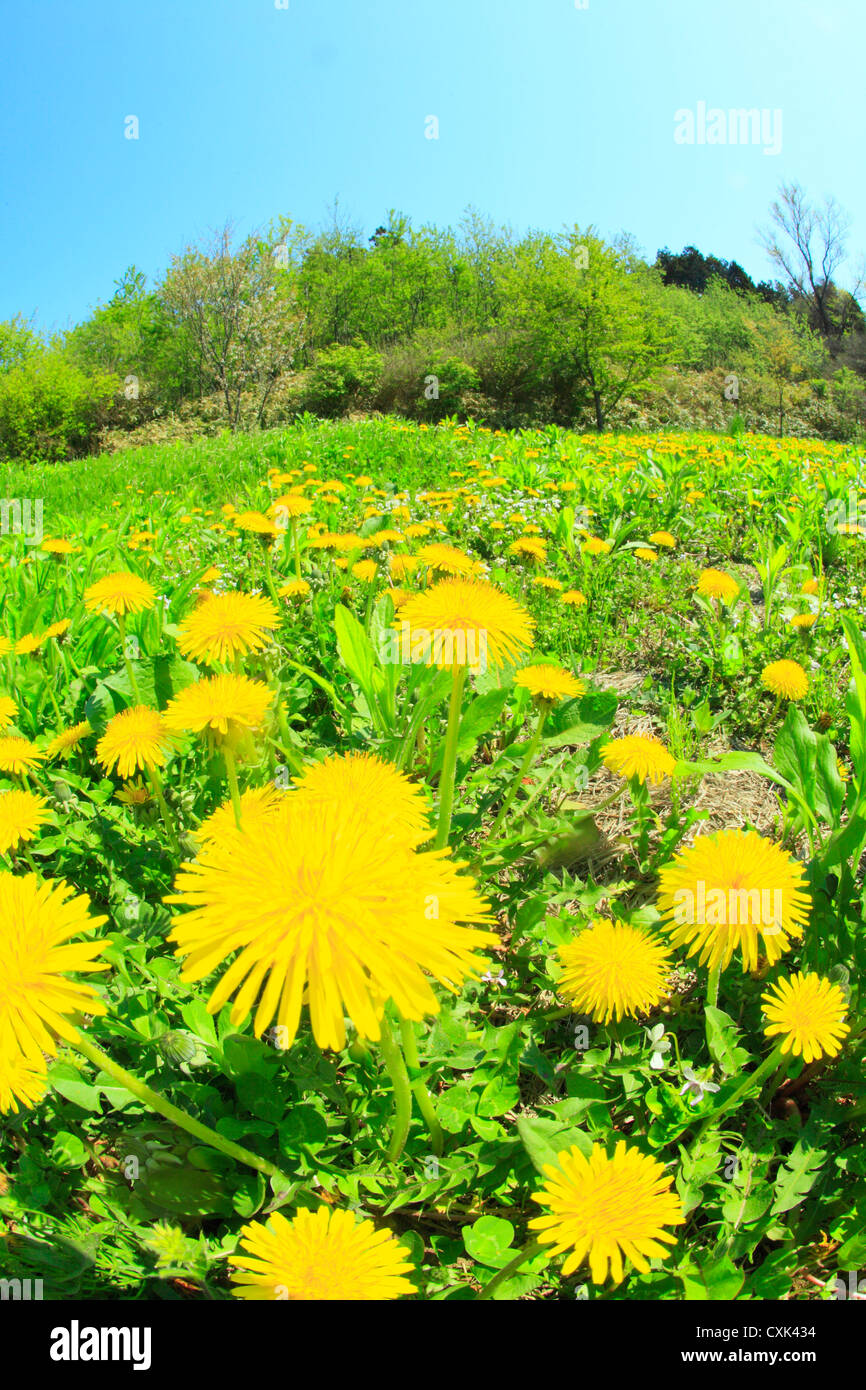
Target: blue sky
[548,114]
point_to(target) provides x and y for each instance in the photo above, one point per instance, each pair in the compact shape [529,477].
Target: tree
[239,308]
[808,243]
[592,318]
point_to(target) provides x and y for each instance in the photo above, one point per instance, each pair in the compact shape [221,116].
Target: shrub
[51,410]
[344,378]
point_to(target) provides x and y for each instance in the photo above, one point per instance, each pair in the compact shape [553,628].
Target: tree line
[567,328]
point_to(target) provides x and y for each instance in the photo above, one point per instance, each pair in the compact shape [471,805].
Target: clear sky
[547,114]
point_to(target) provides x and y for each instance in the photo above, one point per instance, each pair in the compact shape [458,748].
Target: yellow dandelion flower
[596,546]
[643,553]
[730,891]
[69,739]
[23,1080]
[26,645]
[402,566]
[21,814]
[574,598]
[57,629]
[320,1255]
[717,584]
[810,586]
[647,759]
[56,545]
[545,581]
[807,1014]
[134,794]
[257,805]
[295,588]
[613,970]
[227,625]
[803,621]
[549,683]
[256,524]
[36,956]
[220,706]
[8,711]
[604,1208]
[663,538]
[479,611]
[447,559]
[135,738]
[363,779]
[321,898]
[365,570]
[19,754]
[787,679]
[119,594]
[529,548]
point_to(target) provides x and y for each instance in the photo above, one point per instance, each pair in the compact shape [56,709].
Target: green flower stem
[521,773]
[269,579]
[713,985]
[121,625]
[419,1090]
[449,761]
[528,1252]
[156,786]
[171,1112]
[396,1068]
[296,545]
[755,1078]
[232,777]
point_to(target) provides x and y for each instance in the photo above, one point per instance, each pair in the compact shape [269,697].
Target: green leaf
[356,650]
[717,1278]
[68,1083]
[488,1241]
[582,719]
[544,1139]
[722,1034]
[798,1175]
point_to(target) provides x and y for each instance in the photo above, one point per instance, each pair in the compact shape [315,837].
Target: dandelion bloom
[365,570]
[294,588]
[323,899]
[402,566]
[803,621]
[363,779]
[643,553]
[601,1209]
[290,507]
[787,679]
[733,890]
[529,548]
[257,804]
[23,1080]
[574,598]
[135,738]
[594,545]
[807,1013]
[227,625]
[717,584]
[320,1255]
[810,586]
[5,646]
[613,970]
[447,559]
[56,545]
[25,646]
[256,523]
[8,711]
[69,739]
[119,594]
[57,629]
[478,610]
[36,955]
[19,754]
[545,581]
[647,759]
[220,706]
[663,538]
[549,683]
[21,814]
[134,794]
